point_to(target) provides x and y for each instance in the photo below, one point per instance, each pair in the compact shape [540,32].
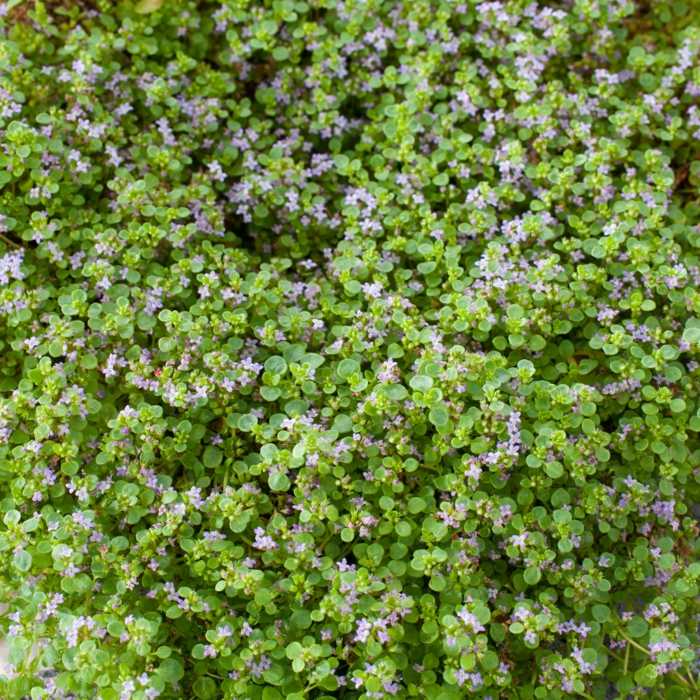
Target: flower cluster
[350,349]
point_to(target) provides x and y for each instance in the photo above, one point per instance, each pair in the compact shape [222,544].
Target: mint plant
[350,349]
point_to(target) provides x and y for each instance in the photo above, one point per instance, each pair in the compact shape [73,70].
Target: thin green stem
[325,540]
[632,602]
[613,654]
[683,680]
[26,658]
[627,659]
[10,242]
[309,687]
[633,643]
[641,648]
[233,457]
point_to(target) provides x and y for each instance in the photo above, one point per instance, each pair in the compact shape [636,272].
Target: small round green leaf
[170,670]
[279,481]
[212,457]
[247,422]
[347,368]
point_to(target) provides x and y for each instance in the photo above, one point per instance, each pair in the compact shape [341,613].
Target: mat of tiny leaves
[349,349]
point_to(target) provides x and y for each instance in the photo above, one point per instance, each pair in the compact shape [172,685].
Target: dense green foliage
[349,349]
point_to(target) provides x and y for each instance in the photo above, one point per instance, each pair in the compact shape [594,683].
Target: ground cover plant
[349,349]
